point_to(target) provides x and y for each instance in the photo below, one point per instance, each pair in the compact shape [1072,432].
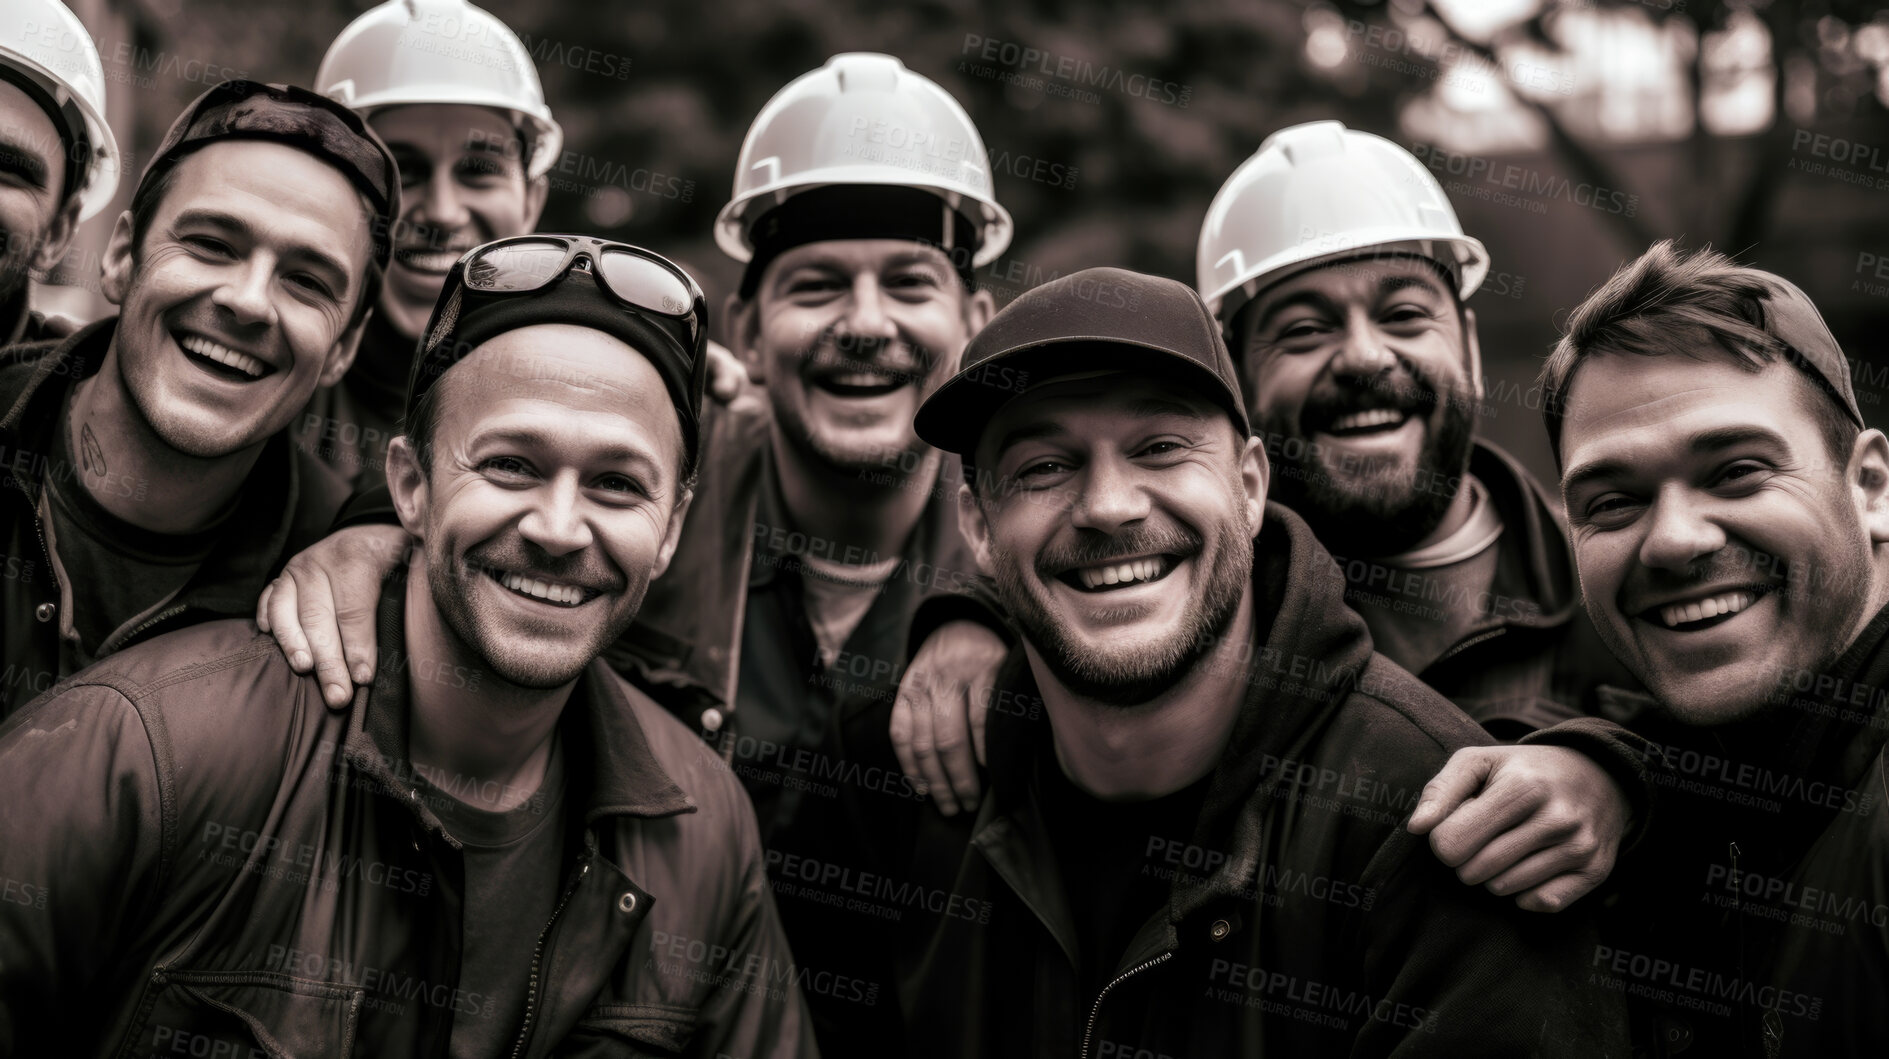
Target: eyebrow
[526,438]
[1705,442]
[1313,299]
[231,223]
[14,154]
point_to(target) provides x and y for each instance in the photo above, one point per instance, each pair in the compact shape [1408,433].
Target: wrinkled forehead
[563,373]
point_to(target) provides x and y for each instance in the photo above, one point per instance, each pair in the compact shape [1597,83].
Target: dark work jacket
[285,506]
[1326,929]
[347,426]
[19,323]
[1535,659]
[723,634]
[215,862]
[1753,920]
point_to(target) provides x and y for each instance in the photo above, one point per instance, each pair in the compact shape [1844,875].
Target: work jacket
[1752,922]
[1313,925]
[213,862]
[285,505]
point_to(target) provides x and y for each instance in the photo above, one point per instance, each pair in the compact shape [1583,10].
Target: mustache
[832,350]
[1401,389]
[1092,547]
[584,569]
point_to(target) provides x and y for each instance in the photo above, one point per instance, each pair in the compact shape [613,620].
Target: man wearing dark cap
[150,484]
[1729,515]
[500,848]
[1196,849]
[779,631]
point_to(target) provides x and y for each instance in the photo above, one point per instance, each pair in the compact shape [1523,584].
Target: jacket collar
[1535,564]
[14,315]
[608,756]
[33,389]
[1311,651]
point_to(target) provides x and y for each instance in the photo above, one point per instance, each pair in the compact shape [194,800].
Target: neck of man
[1160,746]
[874,512]
[487,737]
[135,474]
[1454,517]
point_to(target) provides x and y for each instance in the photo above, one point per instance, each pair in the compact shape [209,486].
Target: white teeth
[222,354]
[863,378]
[1676,614]
[1377,417]
[546,590]
[1120,573]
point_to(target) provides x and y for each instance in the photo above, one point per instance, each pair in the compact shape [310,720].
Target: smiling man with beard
[500,848]
[1204,689]
[154,483]
[1729,514]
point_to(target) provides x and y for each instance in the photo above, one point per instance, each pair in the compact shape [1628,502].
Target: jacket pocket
[247,1015]
[657,1029]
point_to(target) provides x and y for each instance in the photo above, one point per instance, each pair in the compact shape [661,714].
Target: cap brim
[953,418]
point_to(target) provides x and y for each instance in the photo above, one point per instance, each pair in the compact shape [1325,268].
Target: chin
[1708,701]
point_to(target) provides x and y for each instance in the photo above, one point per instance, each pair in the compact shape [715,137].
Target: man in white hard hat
[453,93]
[1338,271]
[862,205]
[58,157]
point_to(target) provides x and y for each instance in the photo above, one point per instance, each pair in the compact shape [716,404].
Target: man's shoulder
[704,778]
[1391,716]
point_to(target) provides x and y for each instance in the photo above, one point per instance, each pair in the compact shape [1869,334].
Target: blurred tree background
[1568,133]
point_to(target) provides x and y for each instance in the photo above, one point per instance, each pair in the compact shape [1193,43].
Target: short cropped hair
[1667,301]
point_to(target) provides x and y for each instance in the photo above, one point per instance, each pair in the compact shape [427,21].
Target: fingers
[1461,777]
[1578,856]
[951,735]
[1560,892]
[901,730]
[725,373]
[262,607]
[285,624]
[925,752]
[1477,823]
[316,614]
[980,713]
[1565,844]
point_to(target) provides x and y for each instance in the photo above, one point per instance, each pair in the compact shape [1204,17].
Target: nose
[1361,349]
[244,293]
[440,204]
[1678,532]
[556,521]
[1111,497]
[866,319]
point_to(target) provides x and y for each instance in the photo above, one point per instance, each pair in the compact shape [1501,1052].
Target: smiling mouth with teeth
[1366,422]
[1111,576]
[228,362]
[542,591]
[427,259]
[1703,613]
[860,383]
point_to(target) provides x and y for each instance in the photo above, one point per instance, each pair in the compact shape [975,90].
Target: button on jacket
[214,862]
[286,505]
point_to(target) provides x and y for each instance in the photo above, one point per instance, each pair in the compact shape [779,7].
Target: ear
[1868,475]
[744,333]
[346,348]
[1472,347]
[65,224]
[673,535]
[116,265]
[978,309]
[1256,478]
[974,527]
[406,482]
[536,189]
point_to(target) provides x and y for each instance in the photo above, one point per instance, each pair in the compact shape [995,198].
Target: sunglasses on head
[647,282]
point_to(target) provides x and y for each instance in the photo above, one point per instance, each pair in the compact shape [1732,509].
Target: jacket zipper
[1088,1035]
[1470,642]
[128,637]
[537,957]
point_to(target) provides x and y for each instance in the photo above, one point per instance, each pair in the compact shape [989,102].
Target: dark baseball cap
[298,118]
[1791,318]
[1099,319]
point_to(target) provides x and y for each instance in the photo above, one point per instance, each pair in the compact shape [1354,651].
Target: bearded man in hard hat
[453,93]
[60,157]
[862,205]
[1338,272]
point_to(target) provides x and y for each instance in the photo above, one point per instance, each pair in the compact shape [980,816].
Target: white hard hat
[863,118]
[1321,192]
[47,42]
[439,51]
